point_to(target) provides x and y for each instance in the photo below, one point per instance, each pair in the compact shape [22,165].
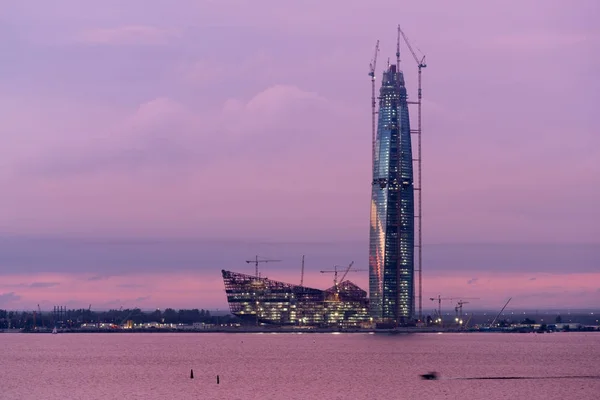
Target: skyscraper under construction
[391,247]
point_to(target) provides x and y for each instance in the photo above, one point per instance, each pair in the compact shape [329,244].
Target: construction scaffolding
[418,161]
[264,301]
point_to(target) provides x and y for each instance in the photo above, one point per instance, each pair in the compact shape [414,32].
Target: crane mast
[419,214]
[439,300]
[372,68]
[398,50]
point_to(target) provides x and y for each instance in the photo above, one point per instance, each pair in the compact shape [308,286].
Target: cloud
[111,304]
[532,279]
[158,134]
[44,284]
[9,298]
[278,99]
[282,118]
[175,289]
[111,258]
[204,289]
[166,138]
[472,281]
[97,278]
[128,35]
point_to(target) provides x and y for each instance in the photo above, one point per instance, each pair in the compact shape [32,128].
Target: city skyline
[126,136]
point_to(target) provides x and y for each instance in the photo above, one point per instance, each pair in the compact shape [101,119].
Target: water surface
[297,366]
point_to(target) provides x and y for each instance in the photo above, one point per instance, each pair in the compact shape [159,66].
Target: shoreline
[405,331]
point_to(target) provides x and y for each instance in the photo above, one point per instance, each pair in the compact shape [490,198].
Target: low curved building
[265,301]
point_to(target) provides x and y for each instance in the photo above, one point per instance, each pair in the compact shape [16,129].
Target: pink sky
[250,120]
[183,289]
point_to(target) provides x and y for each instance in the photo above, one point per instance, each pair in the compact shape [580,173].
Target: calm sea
[297,366]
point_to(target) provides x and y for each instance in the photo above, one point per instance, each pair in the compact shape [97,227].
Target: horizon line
[141,239]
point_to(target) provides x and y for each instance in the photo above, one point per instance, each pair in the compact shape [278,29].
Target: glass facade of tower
[391,248]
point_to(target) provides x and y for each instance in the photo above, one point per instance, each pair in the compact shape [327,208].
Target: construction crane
[440,298]
[256,261]
[347,270]
[372,68]
[497,316]
[459,308]
[335,272]
[419,215]
[41,318]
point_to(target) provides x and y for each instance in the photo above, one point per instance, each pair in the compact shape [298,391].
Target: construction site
[395,262]
[395,245]
[258,300]
[395,267]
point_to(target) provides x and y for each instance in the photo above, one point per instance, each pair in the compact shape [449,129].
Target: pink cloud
[105,167]
[177,290]
[206,290]
[128,35]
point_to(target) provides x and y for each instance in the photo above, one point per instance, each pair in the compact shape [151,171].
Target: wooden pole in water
[217,379]
[192,374]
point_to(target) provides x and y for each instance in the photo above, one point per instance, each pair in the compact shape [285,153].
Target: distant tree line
[77,317]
